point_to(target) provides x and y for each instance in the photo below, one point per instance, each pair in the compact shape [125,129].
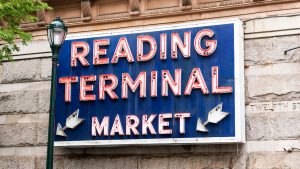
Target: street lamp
[57,32]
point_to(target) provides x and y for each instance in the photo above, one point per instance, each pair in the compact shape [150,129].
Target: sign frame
[238,76]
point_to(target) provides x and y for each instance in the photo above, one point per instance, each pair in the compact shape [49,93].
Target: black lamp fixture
[57,32]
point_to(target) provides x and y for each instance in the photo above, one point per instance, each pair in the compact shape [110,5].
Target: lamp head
[57,32]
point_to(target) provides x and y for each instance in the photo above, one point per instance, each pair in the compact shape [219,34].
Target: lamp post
[57,32]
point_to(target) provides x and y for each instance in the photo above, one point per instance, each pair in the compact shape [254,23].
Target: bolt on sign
[165,84]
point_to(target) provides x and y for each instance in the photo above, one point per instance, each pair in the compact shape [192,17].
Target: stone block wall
[271,78]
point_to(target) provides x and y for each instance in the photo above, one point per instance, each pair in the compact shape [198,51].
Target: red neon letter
[185,47]
[127,81]
[196,81]
[211,44]
[167,80]
[153,83]
[163,46]
[107,88]
[84,88]
[140,48]
[103,128]
[215,82]
[162,123]
[79,55]
[122,50]
[147,123]
[182,117]
[117,127]
[97,52]
[132,126]
[67,81]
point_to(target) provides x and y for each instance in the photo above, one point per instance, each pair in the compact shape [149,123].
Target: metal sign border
[239,86]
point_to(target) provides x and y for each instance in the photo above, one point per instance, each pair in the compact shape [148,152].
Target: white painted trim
[163,141]
[239,86]
[239,81]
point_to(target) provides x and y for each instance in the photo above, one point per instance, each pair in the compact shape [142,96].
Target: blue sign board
[165,84]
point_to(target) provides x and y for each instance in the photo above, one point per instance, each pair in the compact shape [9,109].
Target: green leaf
[13,13]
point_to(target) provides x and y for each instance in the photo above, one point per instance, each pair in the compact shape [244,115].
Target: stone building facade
[272,87]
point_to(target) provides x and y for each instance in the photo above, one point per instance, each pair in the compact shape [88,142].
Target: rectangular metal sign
[165,84]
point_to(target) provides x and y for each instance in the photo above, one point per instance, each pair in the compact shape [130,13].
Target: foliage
[12,14]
